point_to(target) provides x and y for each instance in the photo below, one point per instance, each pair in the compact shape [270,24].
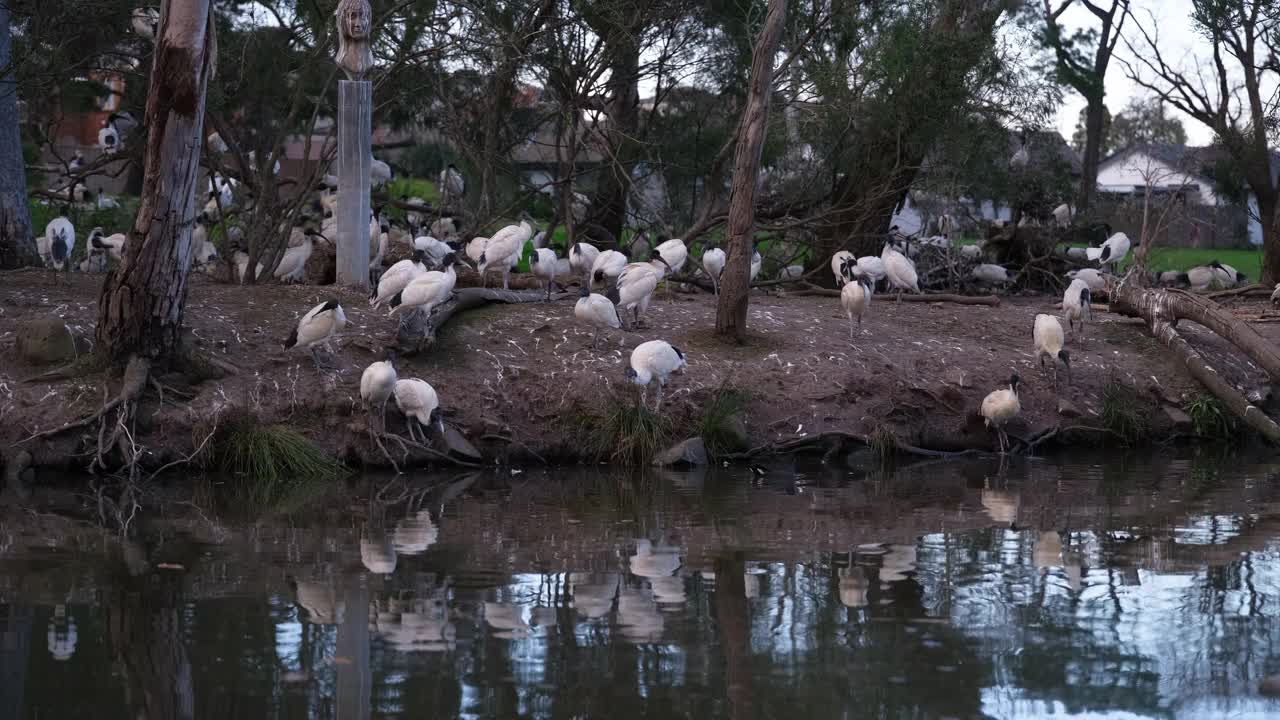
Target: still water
[1115,587]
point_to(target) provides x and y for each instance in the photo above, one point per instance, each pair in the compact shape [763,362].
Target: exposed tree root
[1162,309]
[135,380]
[407,445]
[417,332]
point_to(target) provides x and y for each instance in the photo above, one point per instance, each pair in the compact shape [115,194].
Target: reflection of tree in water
[145,625]
[15,649]
[1105,638]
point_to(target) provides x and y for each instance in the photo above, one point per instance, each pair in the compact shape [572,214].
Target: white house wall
[1125,173]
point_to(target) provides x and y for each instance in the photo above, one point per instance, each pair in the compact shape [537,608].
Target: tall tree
[887,76]
[731,313]
[16,248]
[1086,74]
[1080,135]
[140,309]
[1234,96]
[1144,121]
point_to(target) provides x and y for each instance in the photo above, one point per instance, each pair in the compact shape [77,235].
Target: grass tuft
[883,443]
[626,433]
[1209,418]
[269,461]
[1123,412]
[721,423]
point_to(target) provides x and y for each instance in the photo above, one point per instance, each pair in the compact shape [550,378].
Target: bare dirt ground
[511,377]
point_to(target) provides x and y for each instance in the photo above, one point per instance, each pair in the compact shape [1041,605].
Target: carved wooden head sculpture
[355,24]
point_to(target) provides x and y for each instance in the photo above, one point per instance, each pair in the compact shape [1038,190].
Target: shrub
[269,461]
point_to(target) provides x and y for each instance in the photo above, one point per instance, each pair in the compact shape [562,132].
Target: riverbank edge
[176,442]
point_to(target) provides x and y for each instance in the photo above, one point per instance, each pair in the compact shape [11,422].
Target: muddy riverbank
[522,384]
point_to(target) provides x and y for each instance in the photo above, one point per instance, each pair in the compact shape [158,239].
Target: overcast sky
[1178,43]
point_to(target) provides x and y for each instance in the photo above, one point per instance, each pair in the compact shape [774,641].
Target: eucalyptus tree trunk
[140,310]
[16,247]
[735,283]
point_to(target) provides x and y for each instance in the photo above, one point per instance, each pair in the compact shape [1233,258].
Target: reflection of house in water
[62,634]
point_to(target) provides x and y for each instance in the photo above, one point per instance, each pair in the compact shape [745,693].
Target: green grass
[85,220]
[413,187]
[1209,418]
[268,462]
[1248,262]
[627,433]
[1123,413]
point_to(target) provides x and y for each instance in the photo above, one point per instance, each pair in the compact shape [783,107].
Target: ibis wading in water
[1000,407]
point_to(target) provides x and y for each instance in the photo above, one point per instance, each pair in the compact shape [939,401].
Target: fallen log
[417,332]
[1177,305]
[1162,309]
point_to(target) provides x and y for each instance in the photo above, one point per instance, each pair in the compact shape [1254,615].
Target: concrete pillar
[355,151]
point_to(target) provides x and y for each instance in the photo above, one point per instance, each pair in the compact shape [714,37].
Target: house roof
[1190,159]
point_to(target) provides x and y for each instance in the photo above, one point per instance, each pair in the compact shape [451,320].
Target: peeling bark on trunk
[1162,309]
[731,313]
[16,246]
[140,310]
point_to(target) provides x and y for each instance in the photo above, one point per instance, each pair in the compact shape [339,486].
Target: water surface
[1108,587]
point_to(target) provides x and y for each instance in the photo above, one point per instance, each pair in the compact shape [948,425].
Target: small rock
[1068,409]
[735,429]
[959,378]
[690,452]
[44,341]
[1178,419]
